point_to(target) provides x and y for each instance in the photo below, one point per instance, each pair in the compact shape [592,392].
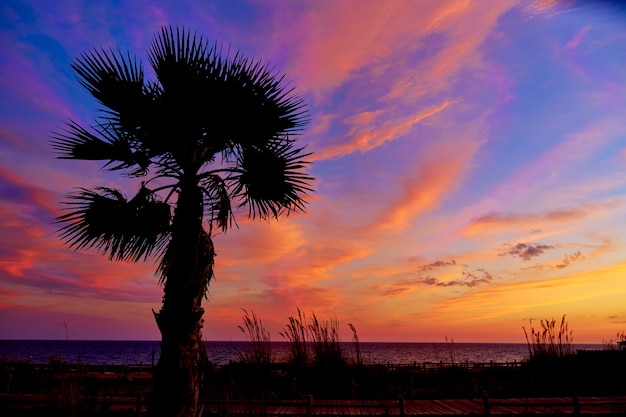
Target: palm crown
[224,125]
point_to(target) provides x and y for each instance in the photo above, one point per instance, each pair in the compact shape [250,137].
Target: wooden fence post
[139,401]
[401,405]
[576,405]
[485,403]
[309,405]
[353,390]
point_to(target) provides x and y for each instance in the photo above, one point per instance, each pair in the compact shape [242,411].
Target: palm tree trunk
[187,267]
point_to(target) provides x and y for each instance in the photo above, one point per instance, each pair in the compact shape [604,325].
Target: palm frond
[76,142]
[218,201]
[220,102]
[114,79]
[105,220]
[177,58]
[270,179]
[131,106]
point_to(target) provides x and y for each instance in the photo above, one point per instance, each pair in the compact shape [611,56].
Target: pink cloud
[546,8]
[576,40]
[503,221]
[438,171]
[22,77]
[258,242]
[350,36]
[363,138]
[30,197]
[31,256]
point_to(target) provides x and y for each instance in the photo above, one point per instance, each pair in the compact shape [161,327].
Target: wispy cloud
[469,279]
[437,172]
[436,265]
[365,136]
[567,260]
[526,251]
[499,220]
[439,128]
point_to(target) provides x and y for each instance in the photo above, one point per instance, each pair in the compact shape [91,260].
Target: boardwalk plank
[449,407]
[588,405]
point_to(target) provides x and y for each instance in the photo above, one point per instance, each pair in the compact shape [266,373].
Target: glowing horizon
[469,157]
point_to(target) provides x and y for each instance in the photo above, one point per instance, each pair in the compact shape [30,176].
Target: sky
[469,161]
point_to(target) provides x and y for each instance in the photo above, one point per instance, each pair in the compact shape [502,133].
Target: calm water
[135,352]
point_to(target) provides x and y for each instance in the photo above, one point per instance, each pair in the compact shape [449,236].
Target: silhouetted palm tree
[211,135]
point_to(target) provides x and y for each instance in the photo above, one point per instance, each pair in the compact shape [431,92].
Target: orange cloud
[438,171]
[495,221]
[258,242]
[365,138]
[346,37]
[545,297]
[544,8]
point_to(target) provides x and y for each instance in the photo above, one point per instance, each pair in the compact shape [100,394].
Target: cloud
[544,8]
[597,291]
[259,242]
[436,265]
[437,172]
[525,251]
[500,220]
[345,37]
[568,259]
[470,279]
[365,136]
[573,43]
[31,198]
[392,65]
[399,287]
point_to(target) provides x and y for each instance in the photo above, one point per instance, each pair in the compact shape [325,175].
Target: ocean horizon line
[223,352]
[284,341]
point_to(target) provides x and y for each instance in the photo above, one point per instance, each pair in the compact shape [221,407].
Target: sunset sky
[469,156]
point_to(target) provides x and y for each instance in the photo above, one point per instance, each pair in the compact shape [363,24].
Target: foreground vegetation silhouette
[211,136]
[318,370]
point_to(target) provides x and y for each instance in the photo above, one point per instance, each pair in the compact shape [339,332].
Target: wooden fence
[614,406]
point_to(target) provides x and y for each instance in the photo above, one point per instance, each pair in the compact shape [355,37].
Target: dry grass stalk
[614,344]
[550,341]
[295,333]
[324,336]
[358,360]
[260,351]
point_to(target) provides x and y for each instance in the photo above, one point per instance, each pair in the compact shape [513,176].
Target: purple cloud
[568,259]
[470,279]
[525,251]
[436,265]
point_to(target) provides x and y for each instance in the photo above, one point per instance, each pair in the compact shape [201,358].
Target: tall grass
[550,341]
[316,342]
[327,350]
[614,344]
[358,359]
[295,332]
[260,351]
[451,350]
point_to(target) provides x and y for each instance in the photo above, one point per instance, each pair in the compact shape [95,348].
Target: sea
[147,352]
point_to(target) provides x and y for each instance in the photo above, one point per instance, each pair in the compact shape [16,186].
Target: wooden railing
[429,365]
[308,407]
[571,405]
